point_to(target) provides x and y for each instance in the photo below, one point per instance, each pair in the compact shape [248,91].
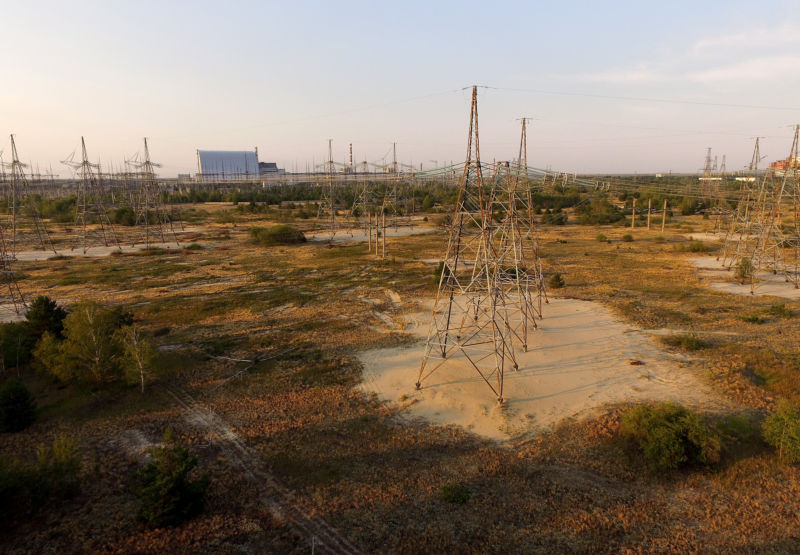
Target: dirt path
[279,500]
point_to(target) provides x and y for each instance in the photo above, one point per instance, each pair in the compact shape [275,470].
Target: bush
[277,235]
[554,218]
[17,406]
[744,269]
[686,341]
[754,319]
[598,212]
[455,493]
[25,488]
[782,431]
[18,339]
[168,497]
[123,216]
[697,246]
[781,311]
[670,436]
[556,281]
[627,238]
[601,238]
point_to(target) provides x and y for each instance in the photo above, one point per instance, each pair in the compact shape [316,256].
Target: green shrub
[670,436]
[25,488]
[754,319]
[697,246]
[782,431]
[744,269]
[17,406]
[686,341]
[18,339]
[557,217]
[455,493]
[627,238]
[194,247]
[168,497]
[123,216]
[601,238]
[598,212]
[556,281]
[277,235]
[780,310]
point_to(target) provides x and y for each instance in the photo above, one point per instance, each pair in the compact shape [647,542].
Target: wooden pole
[649,211]
[664,216]
[383,225]
[633,216]
[369,232]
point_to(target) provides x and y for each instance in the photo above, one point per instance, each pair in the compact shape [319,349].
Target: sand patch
[355,235]
[579,360]
[767,283]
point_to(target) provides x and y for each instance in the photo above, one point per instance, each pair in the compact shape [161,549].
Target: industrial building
[232,165]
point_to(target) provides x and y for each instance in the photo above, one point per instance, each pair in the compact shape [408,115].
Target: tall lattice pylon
[152,220]
[482,309]
[765,241]
[13,295]
[25,215]
[91,217]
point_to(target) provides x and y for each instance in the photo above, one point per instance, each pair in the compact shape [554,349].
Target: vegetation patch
[670,436]
[277,235]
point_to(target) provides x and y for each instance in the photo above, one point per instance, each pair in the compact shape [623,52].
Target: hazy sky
[287,76]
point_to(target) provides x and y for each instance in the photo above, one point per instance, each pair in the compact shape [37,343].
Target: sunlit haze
[611,87]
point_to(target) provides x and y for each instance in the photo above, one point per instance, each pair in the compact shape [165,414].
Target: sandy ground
[712,237]
[767,283]
[580,360]
[31,256]
[355,235]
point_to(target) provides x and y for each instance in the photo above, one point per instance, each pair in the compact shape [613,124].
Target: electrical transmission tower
[91,217]
[326,214]
[24,208]
[759,238]
[485,303]
[151,218]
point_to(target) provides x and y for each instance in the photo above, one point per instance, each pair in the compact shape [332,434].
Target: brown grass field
[360,465]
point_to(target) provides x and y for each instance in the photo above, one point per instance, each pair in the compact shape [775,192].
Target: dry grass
[358,463]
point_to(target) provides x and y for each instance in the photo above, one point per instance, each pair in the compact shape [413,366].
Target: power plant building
[227,165]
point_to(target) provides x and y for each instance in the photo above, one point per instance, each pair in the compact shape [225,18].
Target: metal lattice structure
[91,216]
[765,233]
[25,216]
[152,220]
[490,285]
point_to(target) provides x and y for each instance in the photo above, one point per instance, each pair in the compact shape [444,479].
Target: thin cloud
[761,38]
[774,68]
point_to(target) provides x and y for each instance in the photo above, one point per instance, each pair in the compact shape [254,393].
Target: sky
[610,86]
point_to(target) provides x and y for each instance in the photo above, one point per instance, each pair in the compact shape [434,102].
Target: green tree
[137,354]
[782,431]
[17,406]
[44,315]
[91,350]
[168,496]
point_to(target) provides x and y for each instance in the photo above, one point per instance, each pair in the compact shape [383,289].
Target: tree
[90,350]
[168,497]
[782,431]
[17,406]
[44,315]
[137,354]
